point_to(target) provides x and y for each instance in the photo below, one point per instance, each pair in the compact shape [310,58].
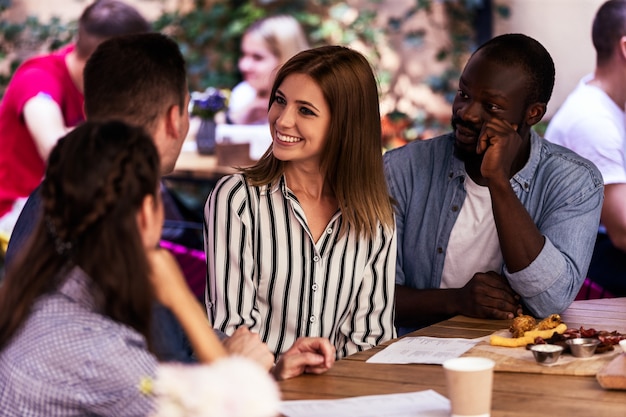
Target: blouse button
[329,230]
[314,286]
[316,258]
[312,319]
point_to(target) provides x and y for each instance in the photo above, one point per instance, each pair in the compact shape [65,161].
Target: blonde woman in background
[266,45]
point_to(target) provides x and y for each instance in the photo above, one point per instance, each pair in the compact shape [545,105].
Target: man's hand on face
[501,144]
[489,295]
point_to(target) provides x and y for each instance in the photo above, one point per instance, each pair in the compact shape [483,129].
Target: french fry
[546,334]
[529,337]
[496,340]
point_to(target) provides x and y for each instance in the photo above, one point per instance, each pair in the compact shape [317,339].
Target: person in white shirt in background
[591,123]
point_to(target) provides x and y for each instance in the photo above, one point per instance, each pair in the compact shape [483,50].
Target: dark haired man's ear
[535,113]
[172,121]
[622,46]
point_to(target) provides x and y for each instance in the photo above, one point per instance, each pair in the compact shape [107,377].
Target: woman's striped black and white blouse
[266,272]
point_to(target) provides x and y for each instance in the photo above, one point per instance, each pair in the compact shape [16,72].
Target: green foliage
[209,39]
[210,32]
[461,17]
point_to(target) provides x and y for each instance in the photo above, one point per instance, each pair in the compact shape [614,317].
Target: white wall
[564,28]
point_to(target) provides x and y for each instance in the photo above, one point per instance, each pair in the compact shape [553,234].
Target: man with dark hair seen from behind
[492,219]
[591,123]
[141,80]
[44,100]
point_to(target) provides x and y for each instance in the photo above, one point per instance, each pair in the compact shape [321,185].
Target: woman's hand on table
[245,343]
[312,355]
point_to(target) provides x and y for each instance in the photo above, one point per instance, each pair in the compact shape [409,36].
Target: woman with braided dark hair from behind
[75,309]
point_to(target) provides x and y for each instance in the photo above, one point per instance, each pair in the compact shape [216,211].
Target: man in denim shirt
[493,220]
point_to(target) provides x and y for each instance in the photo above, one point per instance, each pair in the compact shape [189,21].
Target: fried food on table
[528,337]
[550,322]
[524,323]
[521,324]
[526,331]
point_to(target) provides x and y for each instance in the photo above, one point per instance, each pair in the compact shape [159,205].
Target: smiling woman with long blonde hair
[303,243]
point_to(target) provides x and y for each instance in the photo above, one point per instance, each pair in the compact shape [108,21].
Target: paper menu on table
[423,349]
[422,403]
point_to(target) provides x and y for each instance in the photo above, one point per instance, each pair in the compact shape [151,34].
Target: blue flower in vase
[206,105]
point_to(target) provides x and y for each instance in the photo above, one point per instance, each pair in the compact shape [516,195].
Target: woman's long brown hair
[96,180]
[352,157]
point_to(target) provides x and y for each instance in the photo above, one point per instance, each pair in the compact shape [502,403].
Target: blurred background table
[515,394]
[189,185]
[191,164]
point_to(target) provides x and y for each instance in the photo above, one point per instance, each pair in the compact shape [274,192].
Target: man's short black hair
[135,78]
[609,26]
[516,49]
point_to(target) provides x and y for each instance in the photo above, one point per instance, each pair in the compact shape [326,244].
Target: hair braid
[96,181]
[109,192]
[117,186]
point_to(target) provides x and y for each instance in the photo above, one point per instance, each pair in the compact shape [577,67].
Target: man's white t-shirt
[474,245]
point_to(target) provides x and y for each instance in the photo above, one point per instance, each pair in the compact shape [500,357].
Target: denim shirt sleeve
[563,193]
[399,216]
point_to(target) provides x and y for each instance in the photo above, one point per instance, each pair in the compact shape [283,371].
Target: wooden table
[515,394]
[191,164]
[194,165]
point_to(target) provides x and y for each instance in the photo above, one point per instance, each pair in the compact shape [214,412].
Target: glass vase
[205,137]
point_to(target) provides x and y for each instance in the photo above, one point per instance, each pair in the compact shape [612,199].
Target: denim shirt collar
[525,175]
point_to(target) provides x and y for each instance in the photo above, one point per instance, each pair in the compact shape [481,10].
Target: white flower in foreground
[231,387]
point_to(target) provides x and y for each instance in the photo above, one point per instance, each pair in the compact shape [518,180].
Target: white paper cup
[470,382]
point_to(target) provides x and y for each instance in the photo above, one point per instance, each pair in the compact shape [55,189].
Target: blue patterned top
[68,360]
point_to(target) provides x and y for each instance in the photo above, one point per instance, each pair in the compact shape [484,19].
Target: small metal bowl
[546,354]
[582,347]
